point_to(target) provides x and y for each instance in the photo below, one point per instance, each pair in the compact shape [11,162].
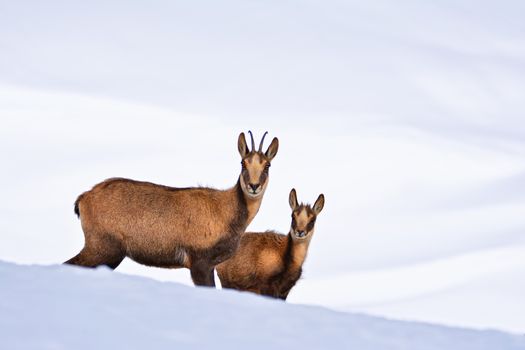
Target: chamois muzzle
[254,188]
[300,234]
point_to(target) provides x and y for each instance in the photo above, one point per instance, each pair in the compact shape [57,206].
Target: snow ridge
[62,307]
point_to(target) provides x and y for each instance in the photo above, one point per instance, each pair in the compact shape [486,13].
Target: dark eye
[267,167]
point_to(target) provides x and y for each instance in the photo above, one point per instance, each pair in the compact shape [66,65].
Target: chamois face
[304,216]
[255,166]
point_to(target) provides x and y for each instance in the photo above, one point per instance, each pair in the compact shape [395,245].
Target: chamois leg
[106,251]
[202,274]
[283,296]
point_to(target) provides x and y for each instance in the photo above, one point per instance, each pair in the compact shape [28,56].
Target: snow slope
[58,307]
[473,289]
[407,115]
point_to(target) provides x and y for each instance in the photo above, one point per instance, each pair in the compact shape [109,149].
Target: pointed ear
[293,199]
[272,149]
[319,204]
[242,146]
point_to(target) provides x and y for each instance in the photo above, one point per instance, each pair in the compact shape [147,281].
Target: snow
[479,286]
[408,116]
[60,307]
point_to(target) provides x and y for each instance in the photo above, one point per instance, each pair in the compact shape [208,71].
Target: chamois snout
[254,187]
[300,234]
[255,165]
[304,216]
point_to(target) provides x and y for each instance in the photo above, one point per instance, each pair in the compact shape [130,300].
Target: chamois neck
[298,251]
[252,204]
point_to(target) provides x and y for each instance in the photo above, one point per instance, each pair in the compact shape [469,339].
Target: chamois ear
[319,204]
[293,199]
[242,146]
[272,149]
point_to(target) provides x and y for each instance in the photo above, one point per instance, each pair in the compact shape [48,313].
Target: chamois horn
[262,141]
[253,142]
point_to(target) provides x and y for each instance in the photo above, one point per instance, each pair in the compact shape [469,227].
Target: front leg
[284,295]
[202,273]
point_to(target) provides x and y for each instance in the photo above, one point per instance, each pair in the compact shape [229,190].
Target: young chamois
[163,226]
[270,263]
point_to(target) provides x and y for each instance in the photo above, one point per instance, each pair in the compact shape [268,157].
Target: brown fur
[270,263]
[163,226]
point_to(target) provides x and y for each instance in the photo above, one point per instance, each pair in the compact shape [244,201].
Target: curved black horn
[253,142]
[262,141]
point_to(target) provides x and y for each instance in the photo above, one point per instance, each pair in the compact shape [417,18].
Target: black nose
[300,233]
[254,187]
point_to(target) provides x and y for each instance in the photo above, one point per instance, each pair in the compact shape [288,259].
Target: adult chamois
[270,263]
[163,226]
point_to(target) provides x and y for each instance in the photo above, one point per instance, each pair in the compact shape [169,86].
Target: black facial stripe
[310,225]
[246,176]
[263,177]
